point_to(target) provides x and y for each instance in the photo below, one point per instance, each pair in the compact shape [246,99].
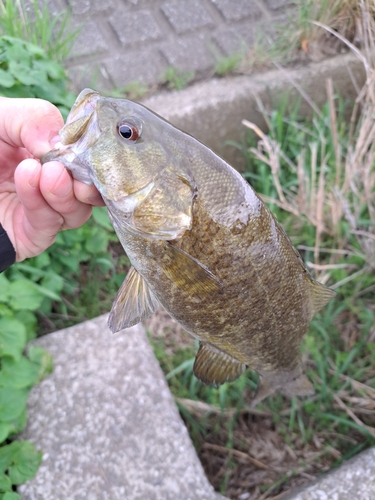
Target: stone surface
[175,54]
[353,480]
[135,66]
[133,28]
[240,9]
[107,423]
[189,35]
[186,16]
[89,40]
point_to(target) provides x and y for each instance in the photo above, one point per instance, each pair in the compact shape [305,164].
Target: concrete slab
[354,479]
[107,423]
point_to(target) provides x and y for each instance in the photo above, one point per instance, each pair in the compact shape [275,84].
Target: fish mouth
[74,136]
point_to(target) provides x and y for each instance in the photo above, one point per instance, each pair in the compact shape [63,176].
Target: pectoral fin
[166,212]
[216,367]
[188,273]
[134,303]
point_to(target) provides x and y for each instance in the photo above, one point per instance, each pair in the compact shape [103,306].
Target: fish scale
[201,242]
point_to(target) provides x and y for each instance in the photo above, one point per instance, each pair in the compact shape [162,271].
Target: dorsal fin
[320,296]
[134,303]
[188,273]
[216,367]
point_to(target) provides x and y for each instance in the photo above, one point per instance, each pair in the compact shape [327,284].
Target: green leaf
[18,374]
[11,495]
[100,215]
[5,483]
[26,461]
[17,424]
[54,283]
[6,455]
[98,242]
[28,319]
[12,403]
[42,260]
[42,359]
[4,288]
[12,337]
[24,295]
[6,79]
[5,429]
[46,292]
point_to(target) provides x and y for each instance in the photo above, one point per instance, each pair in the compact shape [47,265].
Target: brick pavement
[126,41]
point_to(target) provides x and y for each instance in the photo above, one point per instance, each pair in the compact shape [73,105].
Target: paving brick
[91,7]
[89,41]
[136,66]
[54,7]
[133,28]
[90,75]
[187,16]
[277,4]
[191,53]
[239,9]
[234,40]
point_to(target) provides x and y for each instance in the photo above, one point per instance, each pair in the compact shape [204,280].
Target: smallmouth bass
[201,243]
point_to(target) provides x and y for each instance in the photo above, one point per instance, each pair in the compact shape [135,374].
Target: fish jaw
[76,136]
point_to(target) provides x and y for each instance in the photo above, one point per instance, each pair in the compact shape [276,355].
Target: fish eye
[128,131]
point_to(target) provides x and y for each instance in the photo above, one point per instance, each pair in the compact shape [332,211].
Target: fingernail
[61,188]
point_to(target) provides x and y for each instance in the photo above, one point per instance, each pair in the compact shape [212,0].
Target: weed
[133,91]
[176,79]
[226,65]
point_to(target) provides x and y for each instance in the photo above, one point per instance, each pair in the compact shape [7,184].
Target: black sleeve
[7,252]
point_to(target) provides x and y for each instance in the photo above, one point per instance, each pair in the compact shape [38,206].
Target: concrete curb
[212,110]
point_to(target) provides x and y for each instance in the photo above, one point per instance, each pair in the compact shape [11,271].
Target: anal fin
[134,303]
[320,296]
[216,367]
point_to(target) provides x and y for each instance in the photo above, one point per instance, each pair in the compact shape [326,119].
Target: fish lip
[82,111]
[52,155]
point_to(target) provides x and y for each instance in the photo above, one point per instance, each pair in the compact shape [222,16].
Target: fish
[201,242]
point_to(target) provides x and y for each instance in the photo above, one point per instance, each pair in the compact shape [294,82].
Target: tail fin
[300,386]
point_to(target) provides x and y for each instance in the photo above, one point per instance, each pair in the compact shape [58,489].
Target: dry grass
[325,201]
[304,35]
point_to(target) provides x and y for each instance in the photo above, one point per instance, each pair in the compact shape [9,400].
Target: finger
[87,194]
[40,221]
[57,188]
[29,123]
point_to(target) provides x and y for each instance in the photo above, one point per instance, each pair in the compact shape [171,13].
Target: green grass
[38,26]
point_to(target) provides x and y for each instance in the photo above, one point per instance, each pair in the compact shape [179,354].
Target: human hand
[36,202]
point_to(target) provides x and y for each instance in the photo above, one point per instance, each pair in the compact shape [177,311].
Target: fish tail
[289,385]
